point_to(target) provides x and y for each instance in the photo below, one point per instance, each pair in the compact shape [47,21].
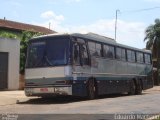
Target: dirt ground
[16,102]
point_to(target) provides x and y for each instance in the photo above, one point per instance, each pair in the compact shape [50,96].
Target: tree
[24,38]
[8,35]
[152,36]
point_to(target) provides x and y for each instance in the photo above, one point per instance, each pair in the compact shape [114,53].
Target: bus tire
[91,89]
[132,88]
[138,88]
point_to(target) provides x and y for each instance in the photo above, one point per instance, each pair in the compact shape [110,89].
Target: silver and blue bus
[85,65]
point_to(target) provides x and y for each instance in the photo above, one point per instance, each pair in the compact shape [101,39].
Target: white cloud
[131,33]
[52,15]
[128,33]
[47,14]
[53,19]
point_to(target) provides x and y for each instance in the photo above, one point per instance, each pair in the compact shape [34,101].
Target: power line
[141,10]
[131,11]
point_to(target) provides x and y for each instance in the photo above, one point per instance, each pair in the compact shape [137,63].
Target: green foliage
[24,38]
[152,34]
[26,35]
[8,35]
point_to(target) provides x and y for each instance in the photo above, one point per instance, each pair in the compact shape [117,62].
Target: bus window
[80,52]
[108,51]
[120,53]
[53,51]
[95,49]
[147,58]
[123,56]
[98,49]
[84,54]
[91,48]
[131,56]
[139,57]
[76,54]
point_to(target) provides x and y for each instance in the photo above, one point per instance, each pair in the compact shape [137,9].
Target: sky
[83,16]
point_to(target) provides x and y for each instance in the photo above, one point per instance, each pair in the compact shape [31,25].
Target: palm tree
[152,36]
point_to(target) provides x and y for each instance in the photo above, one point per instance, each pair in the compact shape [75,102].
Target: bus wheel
[138,88]
[91,89]
[132,88]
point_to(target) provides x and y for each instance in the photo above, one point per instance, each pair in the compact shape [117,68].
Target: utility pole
[116,24]
[49,25]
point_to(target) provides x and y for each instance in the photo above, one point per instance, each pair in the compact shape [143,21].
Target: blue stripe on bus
[77,78]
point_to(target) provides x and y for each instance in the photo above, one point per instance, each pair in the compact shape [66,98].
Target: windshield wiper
[48,61]
[39,62]
[42,61]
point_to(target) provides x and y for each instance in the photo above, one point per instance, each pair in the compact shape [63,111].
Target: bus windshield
[49,51]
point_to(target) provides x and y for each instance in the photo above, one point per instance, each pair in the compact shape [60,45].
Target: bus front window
[48,52]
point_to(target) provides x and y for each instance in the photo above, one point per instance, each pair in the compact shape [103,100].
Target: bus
[86,65]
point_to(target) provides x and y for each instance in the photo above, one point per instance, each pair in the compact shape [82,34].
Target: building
[17,27]
[9,63]
[10,53]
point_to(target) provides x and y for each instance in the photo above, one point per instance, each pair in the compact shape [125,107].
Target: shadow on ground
[66,99]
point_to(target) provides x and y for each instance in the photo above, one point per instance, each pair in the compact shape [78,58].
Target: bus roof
[95,37]
[107,40]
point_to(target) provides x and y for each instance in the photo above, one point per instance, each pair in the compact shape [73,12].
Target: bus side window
[118,53]
[98,49]
[121,53]
[80,52]
[147,58]
[139,57]
[131,56]
[76,54]
[123,57]
[92,48]
[95,49]
[84,55]
[108,51]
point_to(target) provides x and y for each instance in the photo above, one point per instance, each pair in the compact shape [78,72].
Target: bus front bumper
[44,91]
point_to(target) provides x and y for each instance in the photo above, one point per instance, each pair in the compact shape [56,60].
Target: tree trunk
[158,64]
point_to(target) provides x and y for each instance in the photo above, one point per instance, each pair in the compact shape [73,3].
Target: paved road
[147,103]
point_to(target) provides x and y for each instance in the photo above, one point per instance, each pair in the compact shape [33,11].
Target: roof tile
[23,26]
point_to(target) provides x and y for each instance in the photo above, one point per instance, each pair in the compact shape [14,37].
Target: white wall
[12,46]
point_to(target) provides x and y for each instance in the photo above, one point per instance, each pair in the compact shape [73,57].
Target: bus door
[81,67]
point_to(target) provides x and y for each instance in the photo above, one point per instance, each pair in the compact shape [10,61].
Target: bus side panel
[144,69]
[147,82]
[108,84]
[113,85]
[79,88]
[106,87]
[132,68]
